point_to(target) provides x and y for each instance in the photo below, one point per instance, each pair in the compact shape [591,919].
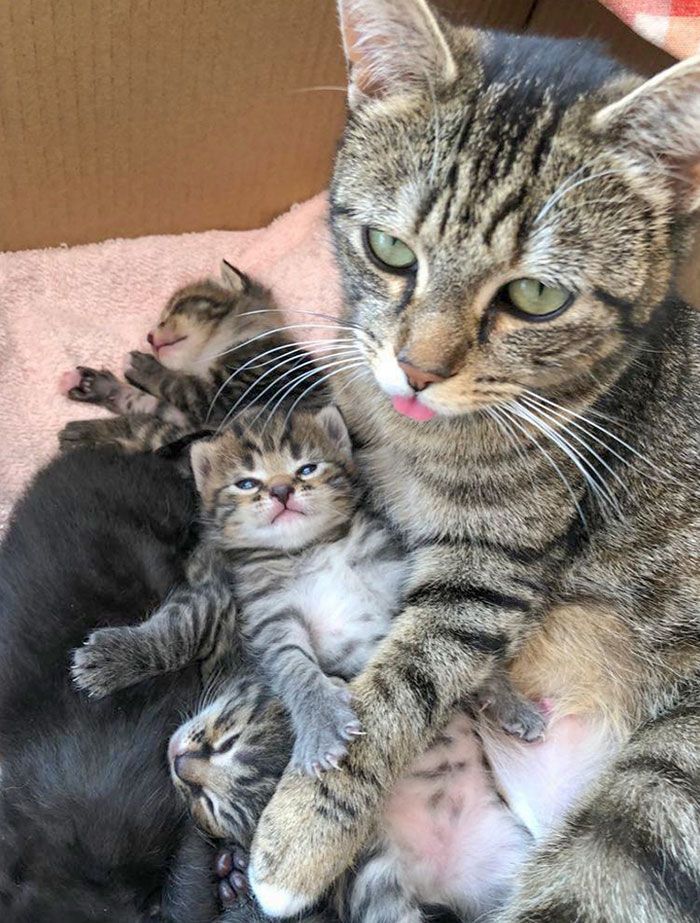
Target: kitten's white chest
[348,594]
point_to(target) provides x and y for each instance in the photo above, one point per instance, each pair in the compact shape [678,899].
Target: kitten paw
[323,736]
[104,664]
[516,715]
[142,370]
[79,434]
[91,386]
[230,869]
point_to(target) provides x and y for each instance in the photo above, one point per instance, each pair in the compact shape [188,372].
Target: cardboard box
[130,117]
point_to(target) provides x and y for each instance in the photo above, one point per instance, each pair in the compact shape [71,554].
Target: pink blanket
[91,304]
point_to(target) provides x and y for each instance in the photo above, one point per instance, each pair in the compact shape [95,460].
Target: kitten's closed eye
[227,744]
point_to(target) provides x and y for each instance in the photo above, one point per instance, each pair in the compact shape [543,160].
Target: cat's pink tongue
[412,407]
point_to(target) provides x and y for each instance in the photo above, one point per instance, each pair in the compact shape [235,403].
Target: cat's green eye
[248,485]
[532,297]
[307,470]
[388,252]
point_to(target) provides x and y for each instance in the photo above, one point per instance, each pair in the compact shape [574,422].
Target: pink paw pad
[69,380]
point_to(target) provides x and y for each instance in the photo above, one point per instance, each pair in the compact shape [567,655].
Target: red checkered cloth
[671,24]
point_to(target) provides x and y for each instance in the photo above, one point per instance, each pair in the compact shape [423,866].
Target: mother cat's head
[507,211]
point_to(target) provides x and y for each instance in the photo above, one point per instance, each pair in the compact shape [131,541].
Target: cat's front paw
[308,835]
[322,735]
[91,386]
[104,664]
[143,370]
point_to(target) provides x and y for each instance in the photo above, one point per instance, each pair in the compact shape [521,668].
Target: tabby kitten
[206,362]
[508,214]
[316,580]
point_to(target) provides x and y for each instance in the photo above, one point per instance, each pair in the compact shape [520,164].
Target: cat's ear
[201,463]
[330,419]
[392,46]
[233,279]
[658,124]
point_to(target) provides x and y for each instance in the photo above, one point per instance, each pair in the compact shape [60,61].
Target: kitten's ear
[659,123]
[200,460]
[331,421]
[392,46]
[233,279]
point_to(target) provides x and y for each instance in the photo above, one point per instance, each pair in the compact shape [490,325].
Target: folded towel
[90,305]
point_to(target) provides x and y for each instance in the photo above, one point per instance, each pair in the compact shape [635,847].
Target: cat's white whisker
[510,411]
[311,361]
[289,349]
[588,471]
[316,385]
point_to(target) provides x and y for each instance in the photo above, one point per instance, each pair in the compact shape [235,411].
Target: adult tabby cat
[508,215]
[206,363]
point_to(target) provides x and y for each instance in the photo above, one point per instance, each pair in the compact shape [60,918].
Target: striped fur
[218,331]
[558,477]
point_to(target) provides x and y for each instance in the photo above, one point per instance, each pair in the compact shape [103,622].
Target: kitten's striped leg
[185,628]
[375,892]
[138,433]
[631,852]
[185,393]
[467,608]
[320,709]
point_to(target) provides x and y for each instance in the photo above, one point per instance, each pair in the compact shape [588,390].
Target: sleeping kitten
[207,360]
[89,828]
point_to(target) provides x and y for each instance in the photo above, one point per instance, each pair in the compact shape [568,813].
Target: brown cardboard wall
[130,117]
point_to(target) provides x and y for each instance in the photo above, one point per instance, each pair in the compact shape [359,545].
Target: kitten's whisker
[509,411]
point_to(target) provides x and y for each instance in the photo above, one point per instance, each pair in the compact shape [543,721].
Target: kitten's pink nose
[281,492]
[149,339]
[177,746]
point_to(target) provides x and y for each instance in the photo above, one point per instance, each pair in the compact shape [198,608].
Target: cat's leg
[630,851]
[466,611]
[375,892]
[320,709]
[186,627]
[189,394]
[138,433]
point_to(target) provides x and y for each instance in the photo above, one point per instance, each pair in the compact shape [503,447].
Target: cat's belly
[461,830]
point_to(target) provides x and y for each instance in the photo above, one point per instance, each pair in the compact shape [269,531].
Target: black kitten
[91,828]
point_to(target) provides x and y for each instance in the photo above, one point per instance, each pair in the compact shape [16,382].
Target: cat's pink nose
[418,378]
[149,339]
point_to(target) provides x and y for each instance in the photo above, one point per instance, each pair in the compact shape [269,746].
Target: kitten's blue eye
[388,252]
[307,470]
[247,484]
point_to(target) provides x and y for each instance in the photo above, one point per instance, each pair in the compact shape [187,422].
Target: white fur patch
[276,901]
